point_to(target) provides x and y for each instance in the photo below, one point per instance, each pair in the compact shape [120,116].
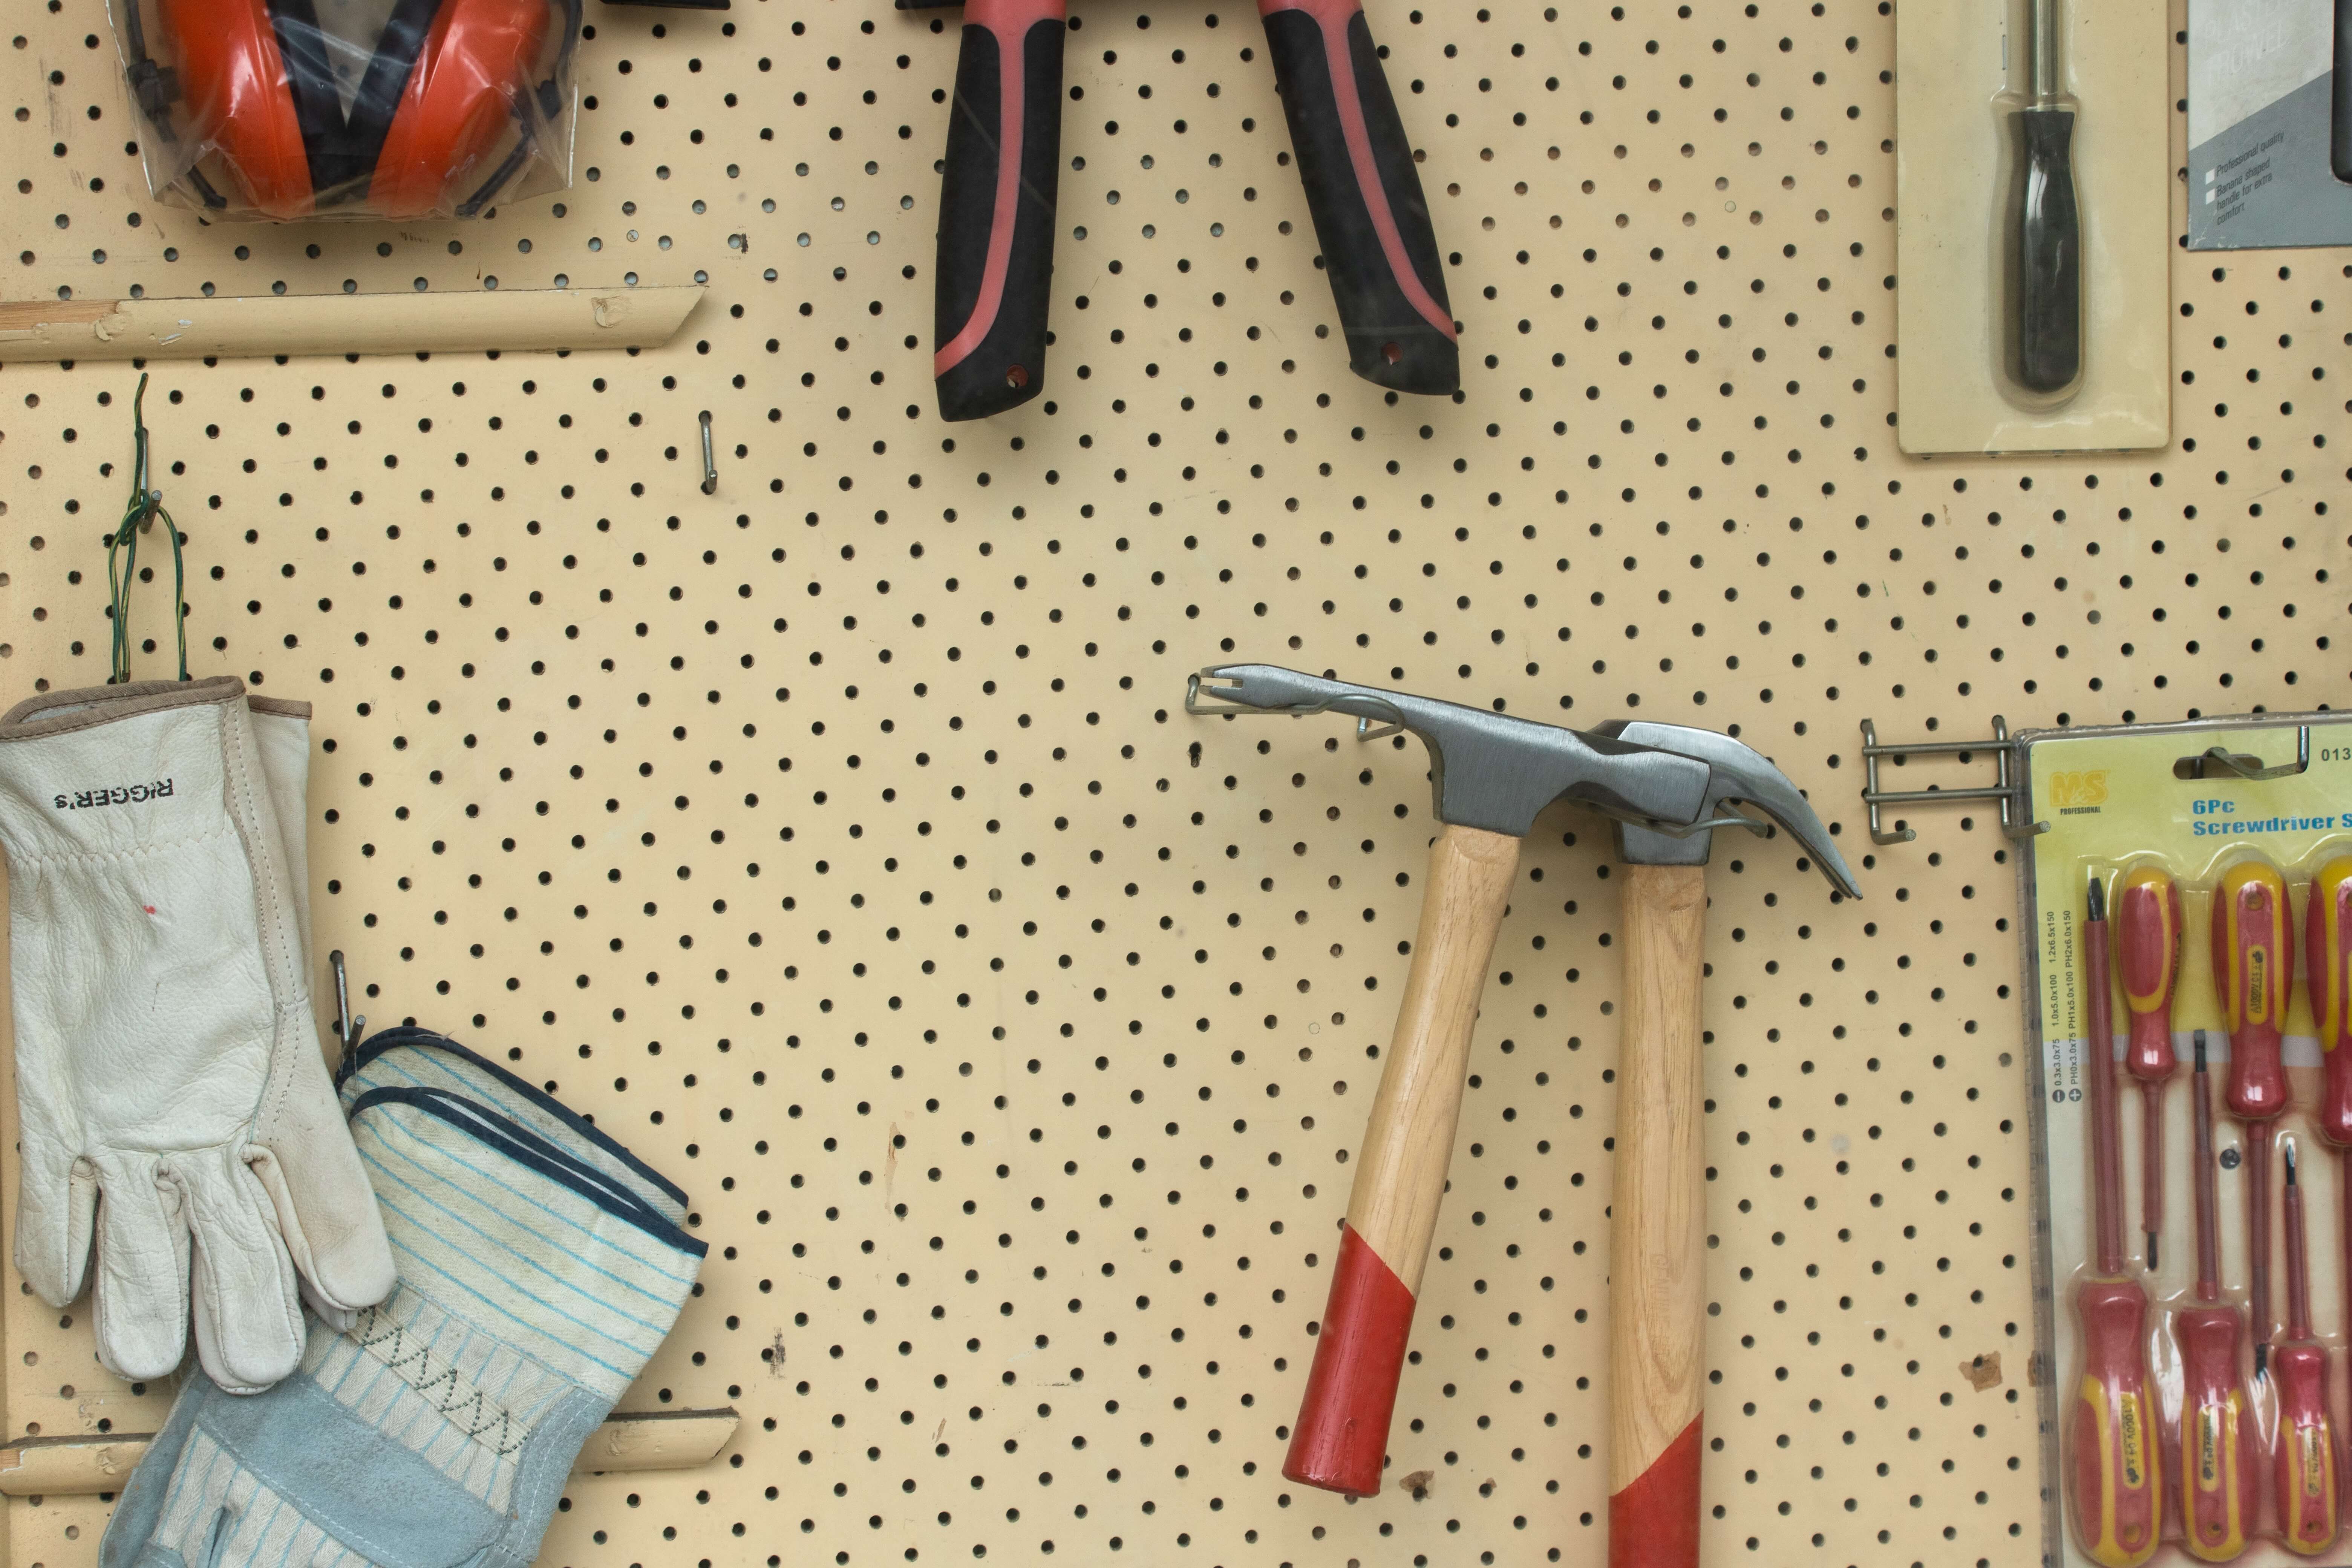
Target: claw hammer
[1668,787]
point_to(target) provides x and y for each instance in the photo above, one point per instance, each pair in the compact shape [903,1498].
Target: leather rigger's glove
[172,1099]
[540,1265]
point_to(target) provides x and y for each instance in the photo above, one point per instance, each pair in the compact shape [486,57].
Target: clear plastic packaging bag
[349,109]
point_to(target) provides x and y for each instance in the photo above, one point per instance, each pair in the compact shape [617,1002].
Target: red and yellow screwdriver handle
[2327,974]
[2254,974]
[2217,1436]
[2146,917]
[2307,1458]
[2119,1455]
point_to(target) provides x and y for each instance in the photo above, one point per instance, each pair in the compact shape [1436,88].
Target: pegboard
[839,839]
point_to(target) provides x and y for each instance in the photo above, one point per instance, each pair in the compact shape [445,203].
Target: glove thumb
[304,1158]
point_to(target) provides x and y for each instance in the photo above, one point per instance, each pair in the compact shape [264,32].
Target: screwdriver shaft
[2207,1201]
[2256,1148]
[2099,1092]
[2217,1495]
[2042,62]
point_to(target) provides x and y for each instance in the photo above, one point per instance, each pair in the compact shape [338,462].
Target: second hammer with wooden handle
[1492,775]
[1657,1214]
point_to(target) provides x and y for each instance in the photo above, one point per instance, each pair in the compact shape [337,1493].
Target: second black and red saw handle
[996,201]
[1364,194]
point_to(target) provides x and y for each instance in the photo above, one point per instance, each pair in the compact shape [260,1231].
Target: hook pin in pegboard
[2008,788]
[2220,762]
[348,1029]
[710,463]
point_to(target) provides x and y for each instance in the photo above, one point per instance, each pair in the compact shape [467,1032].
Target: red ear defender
[458,104]
[233,83]
[438,121]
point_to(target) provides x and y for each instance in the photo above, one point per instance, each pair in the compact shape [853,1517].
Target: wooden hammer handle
[1657,1231]
[1341,1437]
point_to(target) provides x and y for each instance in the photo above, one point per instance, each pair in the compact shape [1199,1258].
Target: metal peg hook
[2216,761]
[348,1029]
[2008,788]
[1202,700]
[709,464]
[1728,819]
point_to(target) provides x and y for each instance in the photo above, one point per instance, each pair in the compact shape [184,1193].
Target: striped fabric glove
[540,1265]
[419,1059]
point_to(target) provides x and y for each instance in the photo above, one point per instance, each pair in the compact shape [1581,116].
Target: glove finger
[249,1316]
[140,1298]
[57,1218]
[339,1318]
[303,1159]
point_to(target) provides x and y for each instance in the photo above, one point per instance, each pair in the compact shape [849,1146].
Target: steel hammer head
[1735,772]
[1486,770]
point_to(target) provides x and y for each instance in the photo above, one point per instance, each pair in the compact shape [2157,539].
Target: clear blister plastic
[283,110]
[2033,226]
[2189,908]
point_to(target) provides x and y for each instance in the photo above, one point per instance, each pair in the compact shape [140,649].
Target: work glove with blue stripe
[539,1266]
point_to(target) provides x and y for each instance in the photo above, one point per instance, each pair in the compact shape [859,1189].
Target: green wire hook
[139,514]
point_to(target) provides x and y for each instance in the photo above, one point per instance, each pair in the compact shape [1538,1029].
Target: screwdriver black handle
[2046,342]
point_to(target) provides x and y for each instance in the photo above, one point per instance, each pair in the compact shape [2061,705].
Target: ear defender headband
[254,83]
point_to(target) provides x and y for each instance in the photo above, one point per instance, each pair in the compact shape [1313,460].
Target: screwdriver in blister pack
[2217,1480]
[2303,1457]
[2253,973]
[2117,1469]
[2148,958]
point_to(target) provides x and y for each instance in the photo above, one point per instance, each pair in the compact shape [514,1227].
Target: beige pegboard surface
[840,841]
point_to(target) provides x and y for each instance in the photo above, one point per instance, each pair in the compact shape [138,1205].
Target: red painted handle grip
[2117,1454]
[1343,1437]
[1654,1519]
[2217,1434]
[2328,972]
[2146,919]
[2305,1463]
[2254,973]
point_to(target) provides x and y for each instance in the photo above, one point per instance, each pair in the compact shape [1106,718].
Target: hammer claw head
[1488,770]
[1667,786]
[1738,773]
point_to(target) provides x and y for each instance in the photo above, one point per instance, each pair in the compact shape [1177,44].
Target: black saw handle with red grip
[996,207]
[1362,188]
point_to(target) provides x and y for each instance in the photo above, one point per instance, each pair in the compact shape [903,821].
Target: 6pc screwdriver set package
[2189,944]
